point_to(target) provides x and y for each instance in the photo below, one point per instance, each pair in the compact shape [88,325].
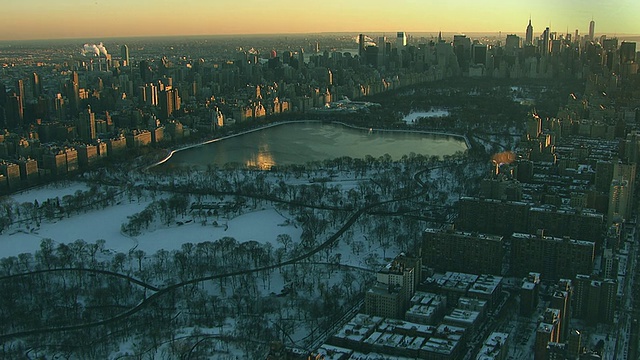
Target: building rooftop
[385,289]
[373,338]
[454,280]
[406,327]
[465,234]
[545,328]
[486,284]
[521,236]
[375,356]
[449,332]
[330,352]
[463,317]
[358,327]
[471,303]
[426,311]
[427,298]
[440,346]
[492,346]
[417,343]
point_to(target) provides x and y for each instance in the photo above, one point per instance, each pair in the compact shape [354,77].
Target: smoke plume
[368,41]
[94,50]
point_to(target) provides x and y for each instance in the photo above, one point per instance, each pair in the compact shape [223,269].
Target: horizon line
[286,34]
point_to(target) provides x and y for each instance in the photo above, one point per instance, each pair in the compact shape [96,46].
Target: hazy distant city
[331,195]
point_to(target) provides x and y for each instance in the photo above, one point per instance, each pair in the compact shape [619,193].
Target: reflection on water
[263,160]
[299,143]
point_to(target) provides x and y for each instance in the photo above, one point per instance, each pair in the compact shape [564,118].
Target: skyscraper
[512,43]
[401,40]
[87,126]
[479,53]
[14,111]
[619,197]
[592,30]
[36,85]
[146,73]
[125,54]
[529,34]
[546,41]
[462,49]
[361,43]
[382,51]
[627,52]
[20,91]
[169,102]
[73,93]
[301,58]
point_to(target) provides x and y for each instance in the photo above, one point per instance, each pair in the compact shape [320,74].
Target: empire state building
[529,34]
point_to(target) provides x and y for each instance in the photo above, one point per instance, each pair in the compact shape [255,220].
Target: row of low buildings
[33,161]
[369,334]
[372,337]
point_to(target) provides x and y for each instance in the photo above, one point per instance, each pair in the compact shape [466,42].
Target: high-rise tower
[125,54]
[529,34]
[20,90]
[36,86]
[301,58]
[627,52]
[87,125]
[401,40]
[361,44]
[592,30]
[546,41]
[73,93]
[382,50]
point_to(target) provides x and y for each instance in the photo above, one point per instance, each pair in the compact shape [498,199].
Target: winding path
[91,271]
[160,292]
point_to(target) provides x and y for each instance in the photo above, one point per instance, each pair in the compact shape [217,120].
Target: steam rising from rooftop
[368,40]
[94,50]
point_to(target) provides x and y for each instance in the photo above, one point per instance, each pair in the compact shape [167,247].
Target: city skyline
[36,19]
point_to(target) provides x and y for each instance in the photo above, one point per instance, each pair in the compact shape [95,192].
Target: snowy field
[262,225]
[413,116]
[50,191]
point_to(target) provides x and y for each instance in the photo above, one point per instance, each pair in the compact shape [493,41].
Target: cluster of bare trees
[78,285]
[31,214]
[163,210]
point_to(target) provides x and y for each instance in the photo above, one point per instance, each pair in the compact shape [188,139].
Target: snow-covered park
[255,259]
[414,116]
[261,225]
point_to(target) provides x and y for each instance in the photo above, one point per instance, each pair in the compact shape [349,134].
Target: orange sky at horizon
[39,19]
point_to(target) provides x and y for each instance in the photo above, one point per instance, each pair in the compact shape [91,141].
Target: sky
[96,19]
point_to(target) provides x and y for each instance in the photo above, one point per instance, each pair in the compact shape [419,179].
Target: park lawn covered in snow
[50,191]
[262,225]
[414,116]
